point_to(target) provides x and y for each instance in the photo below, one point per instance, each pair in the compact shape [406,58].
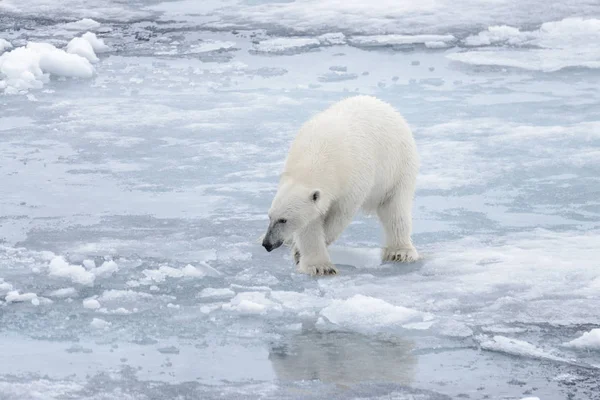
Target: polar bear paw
[318,269]
[400,255]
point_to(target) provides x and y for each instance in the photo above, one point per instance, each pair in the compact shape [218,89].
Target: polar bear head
[293,208]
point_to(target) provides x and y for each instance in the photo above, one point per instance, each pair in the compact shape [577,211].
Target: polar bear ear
[315,195]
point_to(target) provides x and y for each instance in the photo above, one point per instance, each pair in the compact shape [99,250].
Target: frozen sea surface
[138,161]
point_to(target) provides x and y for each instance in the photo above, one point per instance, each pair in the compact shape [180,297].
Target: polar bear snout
[272,240]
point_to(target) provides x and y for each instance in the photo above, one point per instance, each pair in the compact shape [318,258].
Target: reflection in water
[343,358]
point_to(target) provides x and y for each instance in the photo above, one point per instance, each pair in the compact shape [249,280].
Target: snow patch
[4,45]
[99,323]
[15,297]
[364,313]
[286,45]
[503,344]
[571,42]
[63,293]
[589,340]
[59,267]
[251,303]
[434,41]
[91,304]
[85,24]
[30,66]
[213,293]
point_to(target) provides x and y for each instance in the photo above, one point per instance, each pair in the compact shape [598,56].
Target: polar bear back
[358,145]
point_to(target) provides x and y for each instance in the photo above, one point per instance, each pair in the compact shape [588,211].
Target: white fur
[357,154]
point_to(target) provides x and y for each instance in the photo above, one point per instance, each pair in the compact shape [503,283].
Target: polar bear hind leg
[395,215]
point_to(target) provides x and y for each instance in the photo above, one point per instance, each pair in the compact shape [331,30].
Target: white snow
[571,42]
[60,268]
[286,45]
[91,304]
[4,45]
[5,287]
[99,323]
[106,269]
[89,264]
[85,24]
[83,48]
[211,45]
[251,303]
[63,293]
[216,293]
[15,297]
[164,272]
[397,40]
[30,66]
[589,340]
[516,347]
[365,313]
[97,44]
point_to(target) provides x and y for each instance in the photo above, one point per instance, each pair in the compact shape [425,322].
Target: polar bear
[357,154]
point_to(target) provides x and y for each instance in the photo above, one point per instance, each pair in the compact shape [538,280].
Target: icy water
[131,202]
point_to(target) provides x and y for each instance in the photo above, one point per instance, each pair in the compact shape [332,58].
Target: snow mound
[515,347]
[589,340]
[288,45]
[364,313]
[212,45]
[251,303]
[4,45]
[30,66]
[433,41]
[162,273]
[91,304]
[214,293]
[63,293]
[571,42]
[60,268]
[85,24]
[98,323]
[16,297]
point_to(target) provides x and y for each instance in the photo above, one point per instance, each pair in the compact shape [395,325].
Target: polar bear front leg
[396,217]
[314,258]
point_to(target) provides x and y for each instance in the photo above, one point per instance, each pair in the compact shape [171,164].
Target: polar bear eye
[282,221]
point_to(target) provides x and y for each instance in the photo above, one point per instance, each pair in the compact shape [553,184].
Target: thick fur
[357,154]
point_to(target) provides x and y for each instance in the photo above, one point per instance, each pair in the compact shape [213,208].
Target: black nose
[268,246]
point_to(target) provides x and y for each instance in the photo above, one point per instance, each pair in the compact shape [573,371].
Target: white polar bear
[358,153]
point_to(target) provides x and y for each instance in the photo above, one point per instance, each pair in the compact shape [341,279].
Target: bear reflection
[343,359]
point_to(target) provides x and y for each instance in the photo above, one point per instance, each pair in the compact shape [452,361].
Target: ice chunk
[251,303]
[85,24]
[211,45]
[91,304]
[164,272]
[89,264]
[213,293]
[398,40]
[5,287]
[99,323]
[498,34]
[59,267]
[331,39]
[364,313]
[115,294]
[29,67]
[4,45]
[589,340]
[106,269]
[286,45]
[14,297]
[515,347]
[62,293]
[571,42]
[83,48]
[97,44]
